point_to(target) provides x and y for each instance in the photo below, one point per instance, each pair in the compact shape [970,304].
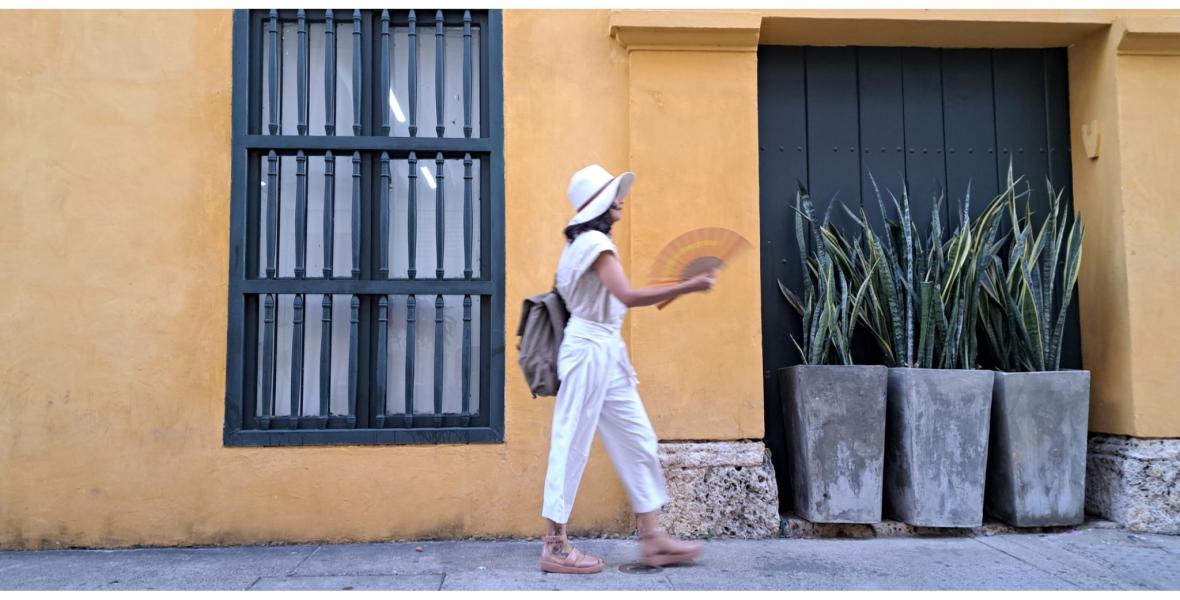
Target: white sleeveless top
[592,338]
[584,293]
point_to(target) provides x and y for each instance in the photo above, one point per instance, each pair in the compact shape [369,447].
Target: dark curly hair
[601,223]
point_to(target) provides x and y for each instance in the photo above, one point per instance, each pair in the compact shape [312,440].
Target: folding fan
[696,252]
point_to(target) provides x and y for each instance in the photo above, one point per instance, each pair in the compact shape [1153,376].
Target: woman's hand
[703,282]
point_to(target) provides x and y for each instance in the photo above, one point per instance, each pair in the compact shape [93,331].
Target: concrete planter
[936,446]
[1036,472]
[835,425]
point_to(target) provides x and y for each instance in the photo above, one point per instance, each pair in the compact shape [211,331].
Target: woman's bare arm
[610,271]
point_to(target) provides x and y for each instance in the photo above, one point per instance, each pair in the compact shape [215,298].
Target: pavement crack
[253,583]
[1169,549]
[305,559]
[1022,561]
[442,581]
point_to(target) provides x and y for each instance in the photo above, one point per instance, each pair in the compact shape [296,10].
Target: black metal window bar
[366,288]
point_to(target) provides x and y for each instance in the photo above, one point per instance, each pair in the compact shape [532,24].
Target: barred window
[366,286]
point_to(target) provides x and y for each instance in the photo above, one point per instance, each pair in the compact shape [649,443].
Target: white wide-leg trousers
[598,393]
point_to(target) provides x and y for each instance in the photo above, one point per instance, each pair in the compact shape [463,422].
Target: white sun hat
[593,190]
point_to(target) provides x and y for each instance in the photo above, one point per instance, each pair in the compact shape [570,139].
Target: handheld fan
[696,252]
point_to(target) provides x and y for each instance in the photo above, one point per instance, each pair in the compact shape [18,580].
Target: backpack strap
[525,307]
[558,314]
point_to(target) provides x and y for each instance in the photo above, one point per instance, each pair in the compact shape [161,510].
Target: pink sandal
[680,552]
[576,563]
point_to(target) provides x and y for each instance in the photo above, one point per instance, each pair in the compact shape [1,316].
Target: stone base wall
[719,489]
[1134,482]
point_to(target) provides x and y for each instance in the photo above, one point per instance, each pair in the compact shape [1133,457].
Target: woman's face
[616,210]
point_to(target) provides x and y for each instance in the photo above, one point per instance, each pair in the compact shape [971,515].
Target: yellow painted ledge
[688,30]
[1151,36]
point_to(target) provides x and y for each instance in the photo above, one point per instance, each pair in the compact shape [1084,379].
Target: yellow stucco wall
[1149,126]
[1125,81]
[700,359]
[1102,281]
[114,193]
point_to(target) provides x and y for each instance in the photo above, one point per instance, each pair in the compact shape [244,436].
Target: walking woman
[598,390]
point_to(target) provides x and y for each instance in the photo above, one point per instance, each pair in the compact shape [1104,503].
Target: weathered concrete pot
[1036,471]
[936,438]
[835,425]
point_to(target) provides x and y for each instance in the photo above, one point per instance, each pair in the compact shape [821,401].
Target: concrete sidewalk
[1091,558]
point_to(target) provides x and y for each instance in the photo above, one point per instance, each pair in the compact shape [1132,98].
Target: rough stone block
[835,425]
[1036,465]
[1135,482]
[936,439]
[719,489]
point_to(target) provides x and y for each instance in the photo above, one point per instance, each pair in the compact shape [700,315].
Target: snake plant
[922,304]
[833,297]
[1023,310]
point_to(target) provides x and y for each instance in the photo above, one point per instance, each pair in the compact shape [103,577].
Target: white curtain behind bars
[452,183]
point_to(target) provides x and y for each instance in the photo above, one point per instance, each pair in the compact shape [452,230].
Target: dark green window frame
[369,421]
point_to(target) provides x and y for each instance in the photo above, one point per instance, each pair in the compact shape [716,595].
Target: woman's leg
[556,541]
[555,528]
[575,418]
[632,444]
[633,448]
